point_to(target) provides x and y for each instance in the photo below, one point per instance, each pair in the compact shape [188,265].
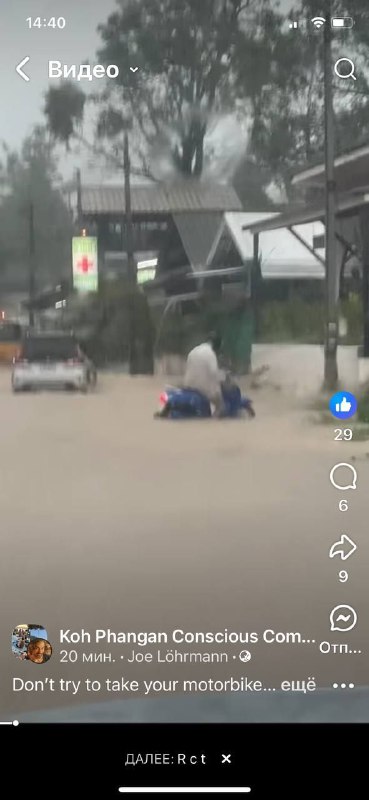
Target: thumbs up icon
[343,405]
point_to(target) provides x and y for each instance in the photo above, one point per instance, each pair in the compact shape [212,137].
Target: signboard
[84,255]
[146,270]
[147,274]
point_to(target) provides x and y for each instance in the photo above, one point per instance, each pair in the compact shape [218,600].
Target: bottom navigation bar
[184,789]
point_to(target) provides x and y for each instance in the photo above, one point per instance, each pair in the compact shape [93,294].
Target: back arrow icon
[19,68]
[344,548]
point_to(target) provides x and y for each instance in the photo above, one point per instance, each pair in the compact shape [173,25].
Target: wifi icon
[318,22]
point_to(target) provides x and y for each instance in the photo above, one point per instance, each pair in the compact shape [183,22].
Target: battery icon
[342,22]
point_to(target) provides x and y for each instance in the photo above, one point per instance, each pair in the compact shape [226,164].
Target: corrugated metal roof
[198,232]
[281,254]
[346,205]
[159,198]
[316,165]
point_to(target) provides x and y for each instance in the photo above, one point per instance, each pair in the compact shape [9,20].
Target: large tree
[29,179]
[286,91]
[183,49]
[199,61]
[185,82]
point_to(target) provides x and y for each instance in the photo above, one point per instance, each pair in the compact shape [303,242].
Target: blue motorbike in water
[183,403]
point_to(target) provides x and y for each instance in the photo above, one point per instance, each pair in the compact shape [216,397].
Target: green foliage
[360,433]
[199,60]
[298,320]
[107,318]
[250,182]
[352,311]
[183,48]
[294,320]
[63,109]
[177,334]
[363,408]
[30,177]
[287,98]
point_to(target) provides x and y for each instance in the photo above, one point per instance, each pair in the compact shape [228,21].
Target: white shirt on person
[203,373]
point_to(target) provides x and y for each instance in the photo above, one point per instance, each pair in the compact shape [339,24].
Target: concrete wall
[295,368]
[299,368]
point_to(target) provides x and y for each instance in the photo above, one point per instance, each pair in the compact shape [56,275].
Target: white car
[51,360]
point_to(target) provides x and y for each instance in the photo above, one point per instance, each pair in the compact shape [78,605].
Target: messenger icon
[343,618]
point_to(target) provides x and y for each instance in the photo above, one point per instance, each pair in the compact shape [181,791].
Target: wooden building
[174,225]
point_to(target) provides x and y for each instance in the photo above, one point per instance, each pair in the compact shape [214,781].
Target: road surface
[111,519]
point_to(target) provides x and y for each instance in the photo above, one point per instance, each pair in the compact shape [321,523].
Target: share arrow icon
[344,548]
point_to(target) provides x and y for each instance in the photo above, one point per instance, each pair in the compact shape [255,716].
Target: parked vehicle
[182,403]
[10,339]
[52,360]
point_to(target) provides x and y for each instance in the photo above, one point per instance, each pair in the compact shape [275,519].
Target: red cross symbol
[84,265]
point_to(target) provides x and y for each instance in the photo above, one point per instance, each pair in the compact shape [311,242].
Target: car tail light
[163,399]
[18,359]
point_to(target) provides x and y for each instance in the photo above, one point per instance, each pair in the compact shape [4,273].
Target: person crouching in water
[203,374]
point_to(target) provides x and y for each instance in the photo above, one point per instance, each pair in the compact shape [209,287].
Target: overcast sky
[21,102]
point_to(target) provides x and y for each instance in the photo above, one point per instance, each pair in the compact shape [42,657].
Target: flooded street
[111,519]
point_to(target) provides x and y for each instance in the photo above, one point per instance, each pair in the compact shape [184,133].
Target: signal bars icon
[319,22]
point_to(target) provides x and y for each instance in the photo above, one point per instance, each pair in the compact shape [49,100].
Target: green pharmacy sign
[85,271]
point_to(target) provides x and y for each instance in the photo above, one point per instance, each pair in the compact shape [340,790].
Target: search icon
[341,67]
[343,474]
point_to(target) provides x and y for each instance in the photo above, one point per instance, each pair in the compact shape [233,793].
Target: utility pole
[79,201]
[256,284]
[364,223]
[131,264]
[331,333]
[31,265]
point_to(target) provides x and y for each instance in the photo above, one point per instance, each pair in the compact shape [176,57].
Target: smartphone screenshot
[184,394]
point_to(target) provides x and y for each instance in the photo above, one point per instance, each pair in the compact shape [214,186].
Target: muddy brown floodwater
[111,519]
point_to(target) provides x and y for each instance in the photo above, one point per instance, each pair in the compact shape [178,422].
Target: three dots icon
[343,685]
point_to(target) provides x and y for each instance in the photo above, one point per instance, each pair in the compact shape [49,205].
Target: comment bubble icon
[343,477]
